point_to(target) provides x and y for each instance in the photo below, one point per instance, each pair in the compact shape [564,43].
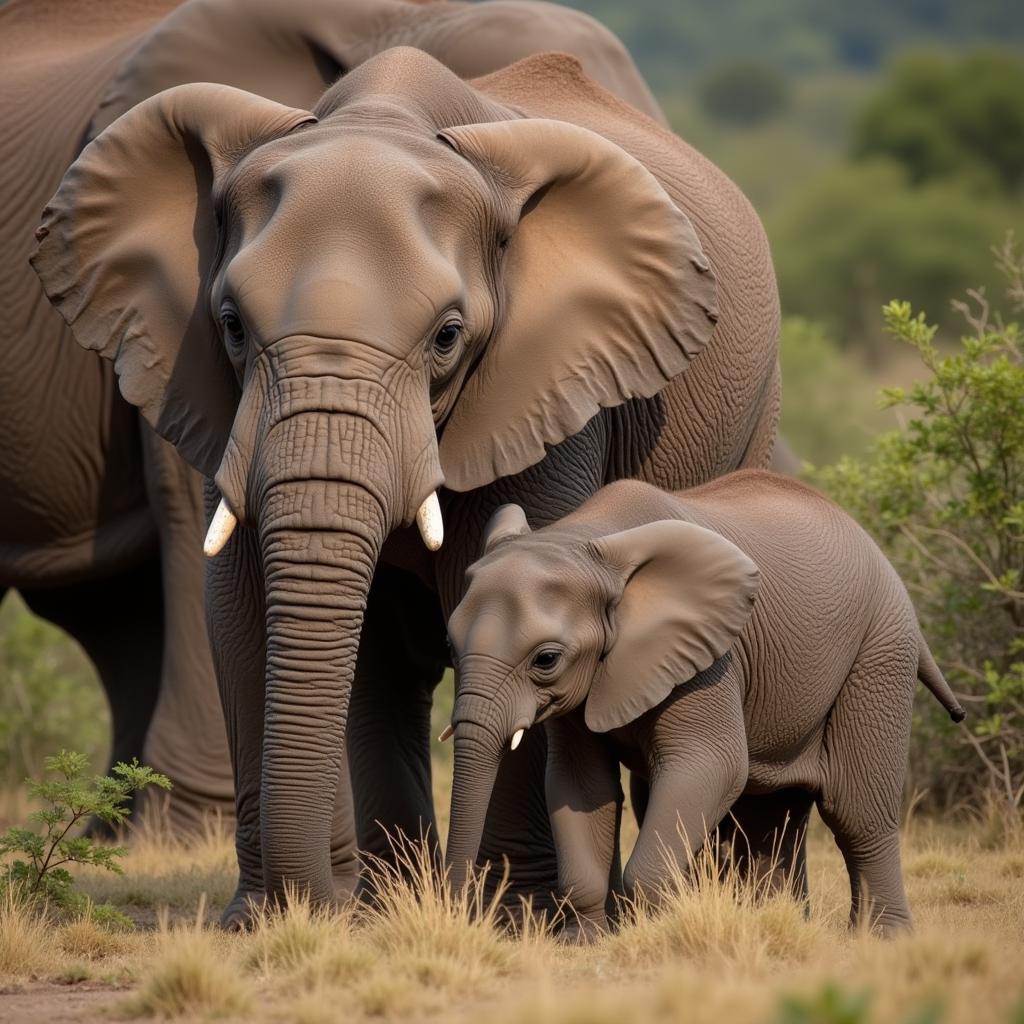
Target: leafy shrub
[830,1005]
[945,498]
[69,801]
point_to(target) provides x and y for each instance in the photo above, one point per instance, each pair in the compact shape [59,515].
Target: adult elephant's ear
[686,595]
[128,241]
[608,295]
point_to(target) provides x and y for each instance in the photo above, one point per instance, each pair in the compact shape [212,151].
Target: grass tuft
[84,939]
[194,973]
[26,942]
[716,949]
[452,941]
[160,871]
[714,916]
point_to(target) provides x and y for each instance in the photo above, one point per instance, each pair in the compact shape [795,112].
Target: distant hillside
[672,39]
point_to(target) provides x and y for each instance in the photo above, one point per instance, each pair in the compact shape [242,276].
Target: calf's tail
[929,674]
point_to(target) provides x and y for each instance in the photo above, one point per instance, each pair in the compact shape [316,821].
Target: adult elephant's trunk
[327,485]
[324,467]
[317,581]
[486,722]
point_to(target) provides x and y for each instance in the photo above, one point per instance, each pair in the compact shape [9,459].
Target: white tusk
[429,520]
[517,738]
[446,734]
[219,533]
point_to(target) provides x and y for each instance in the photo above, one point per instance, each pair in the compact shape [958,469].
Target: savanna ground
[717,953]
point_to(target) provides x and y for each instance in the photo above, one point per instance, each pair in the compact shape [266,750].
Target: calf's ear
[686,594]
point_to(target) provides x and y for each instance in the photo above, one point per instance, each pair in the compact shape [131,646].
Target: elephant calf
[631,627]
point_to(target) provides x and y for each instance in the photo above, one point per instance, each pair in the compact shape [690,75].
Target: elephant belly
[72,488]
[802,771]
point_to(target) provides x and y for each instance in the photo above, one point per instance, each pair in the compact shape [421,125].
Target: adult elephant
[493,287]
[101,521]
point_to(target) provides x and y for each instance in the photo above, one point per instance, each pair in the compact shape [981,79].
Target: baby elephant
[743,640]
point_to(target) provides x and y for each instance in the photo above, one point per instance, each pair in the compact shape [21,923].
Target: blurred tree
[49,696]
[744,92]
[673,41]
[943,117]
[860,234]
[829,402]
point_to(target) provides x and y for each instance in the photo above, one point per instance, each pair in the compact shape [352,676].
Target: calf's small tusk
[428,519]
[219,533]
[517,738]
[446,734]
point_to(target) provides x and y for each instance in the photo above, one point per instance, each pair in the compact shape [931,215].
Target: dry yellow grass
[194,972]
[419,953]
[26,941]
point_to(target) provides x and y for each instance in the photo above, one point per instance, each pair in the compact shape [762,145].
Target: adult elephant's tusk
[219,533]
[446,734]
[517,738]
[429,520]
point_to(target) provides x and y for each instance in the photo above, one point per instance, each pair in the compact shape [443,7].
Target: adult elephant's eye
[447,337]
[546,660]
[234,329]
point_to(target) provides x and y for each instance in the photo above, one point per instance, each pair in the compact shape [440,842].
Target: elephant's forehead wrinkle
[376,161]
[508,631]
[516,602]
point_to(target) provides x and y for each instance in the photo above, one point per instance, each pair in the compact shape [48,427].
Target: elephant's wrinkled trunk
[317,583]
[323,516]
[478,755]
[484,725]
[324,468]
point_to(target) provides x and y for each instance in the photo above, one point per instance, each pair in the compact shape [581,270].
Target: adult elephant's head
[300,303]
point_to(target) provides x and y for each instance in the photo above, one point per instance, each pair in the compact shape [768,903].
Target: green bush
[37,871]
[945,498]
[49,696]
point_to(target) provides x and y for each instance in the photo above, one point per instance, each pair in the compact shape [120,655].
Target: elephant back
[714,410]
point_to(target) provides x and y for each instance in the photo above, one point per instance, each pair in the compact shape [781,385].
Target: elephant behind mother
[492,286]
[101,522]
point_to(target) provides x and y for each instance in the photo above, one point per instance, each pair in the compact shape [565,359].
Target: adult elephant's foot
[883,924]
[581,931]
[346,882]
[241,913]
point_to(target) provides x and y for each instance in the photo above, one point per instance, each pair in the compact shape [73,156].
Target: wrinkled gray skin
[745,639]
[274,286]
[101,522]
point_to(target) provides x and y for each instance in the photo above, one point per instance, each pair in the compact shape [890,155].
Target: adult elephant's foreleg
[187,738]
[763,837]
[402,656]
[518,846]
[235,613]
